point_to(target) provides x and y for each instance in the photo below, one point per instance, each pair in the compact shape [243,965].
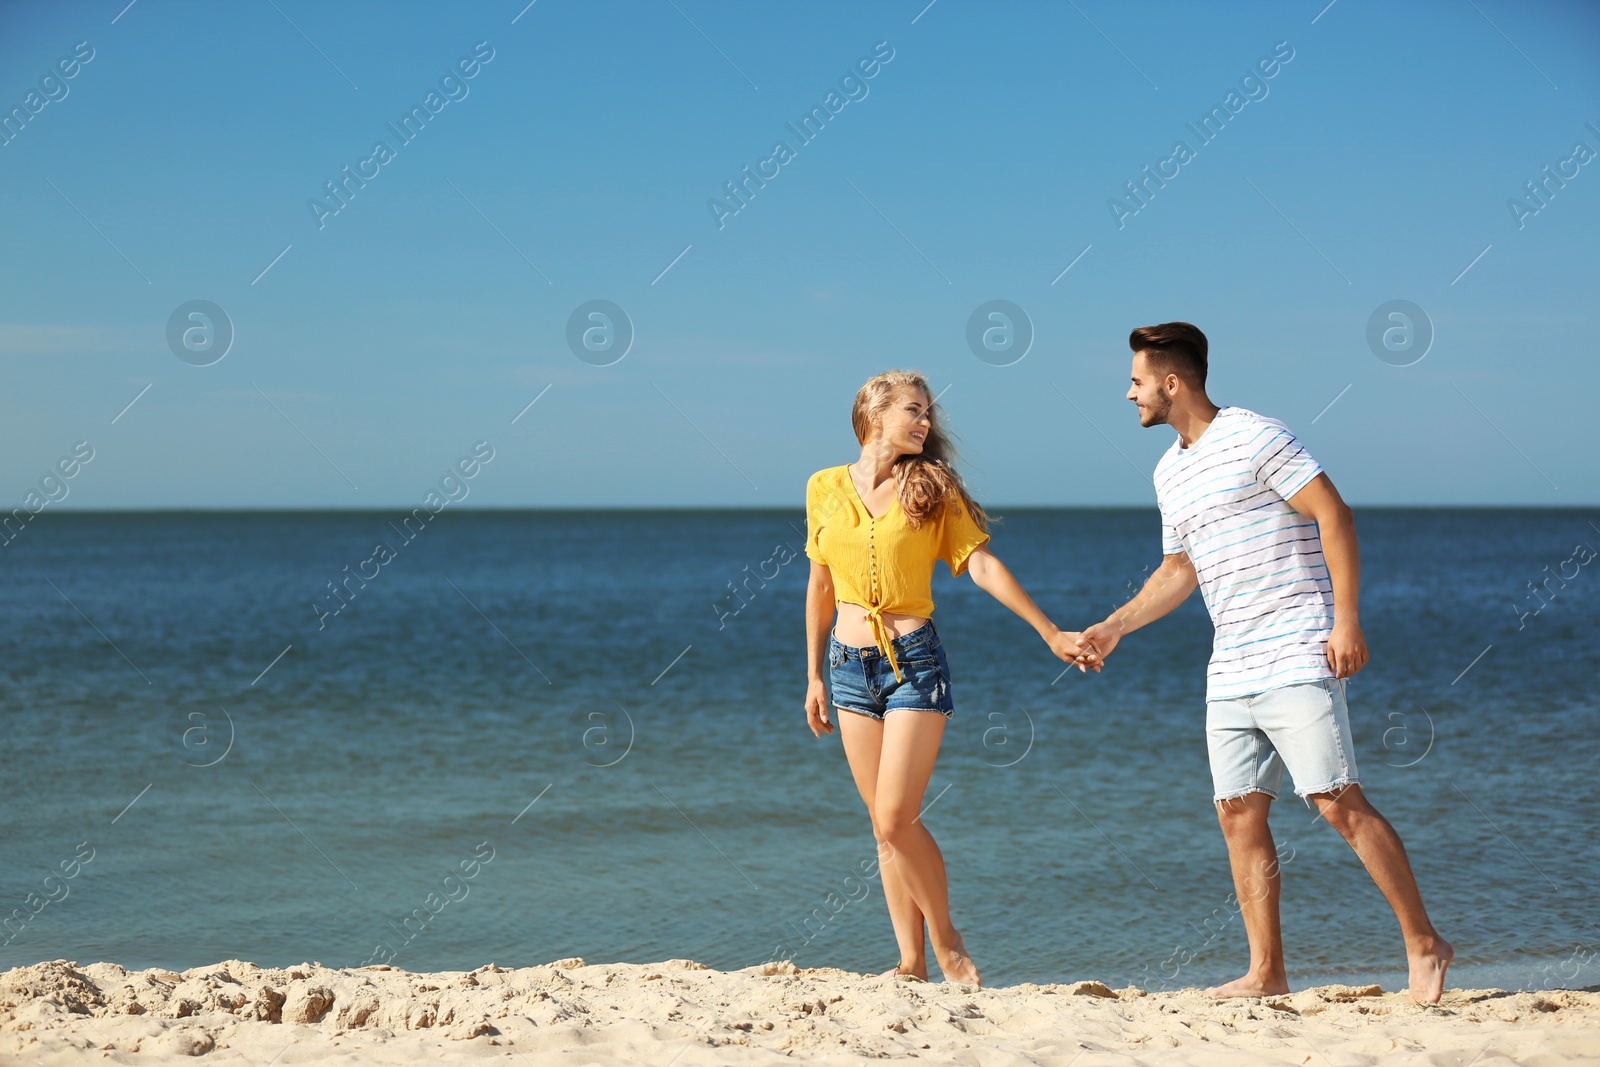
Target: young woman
[874,529]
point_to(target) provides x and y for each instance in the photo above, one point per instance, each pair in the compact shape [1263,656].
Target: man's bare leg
[1427,954]
[1254,859]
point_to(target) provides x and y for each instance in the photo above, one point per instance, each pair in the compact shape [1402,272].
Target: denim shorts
[1305,728]
[861,679]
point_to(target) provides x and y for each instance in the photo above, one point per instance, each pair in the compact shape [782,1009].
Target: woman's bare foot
[1251,985]
[919,972]
[1428,965]
[956,964]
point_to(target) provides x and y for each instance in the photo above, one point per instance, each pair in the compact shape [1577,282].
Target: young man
[1250,518]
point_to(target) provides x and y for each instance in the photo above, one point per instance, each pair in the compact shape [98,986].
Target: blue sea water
[561,734]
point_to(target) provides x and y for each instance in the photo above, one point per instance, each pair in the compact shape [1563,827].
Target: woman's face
[904,425]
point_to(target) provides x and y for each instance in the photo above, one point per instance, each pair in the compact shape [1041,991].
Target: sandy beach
[680,1012]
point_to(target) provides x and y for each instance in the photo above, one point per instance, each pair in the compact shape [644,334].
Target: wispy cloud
[68,339]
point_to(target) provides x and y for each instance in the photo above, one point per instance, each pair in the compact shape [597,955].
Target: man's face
[1148,392]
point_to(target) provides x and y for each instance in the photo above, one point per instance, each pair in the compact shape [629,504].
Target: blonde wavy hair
[926,481]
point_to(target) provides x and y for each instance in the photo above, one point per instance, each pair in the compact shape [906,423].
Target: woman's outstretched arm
[990,575]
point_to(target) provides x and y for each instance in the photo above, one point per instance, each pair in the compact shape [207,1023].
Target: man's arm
[1163,591]
[1336,526]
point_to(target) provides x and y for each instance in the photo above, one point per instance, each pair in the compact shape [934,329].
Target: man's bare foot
[957,965]
[1427,971]
[1250,986]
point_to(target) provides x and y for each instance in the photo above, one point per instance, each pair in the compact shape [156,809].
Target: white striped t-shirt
[1259,562]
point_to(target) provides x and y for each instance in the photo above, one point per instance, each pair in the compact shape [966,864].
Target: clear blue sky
[1375,165]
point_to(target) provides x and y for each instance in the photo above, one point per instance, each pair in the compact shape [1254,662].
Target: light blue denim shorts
[1304,728]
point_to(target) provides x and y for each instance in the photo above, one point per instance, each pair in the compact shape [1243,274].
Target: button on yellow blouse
[884,564]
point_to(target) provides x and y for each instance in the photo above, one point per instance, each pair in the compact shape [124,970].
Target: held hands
[1094,645]
[1069,645]
[817,708]
[1347,648]
[1102,637]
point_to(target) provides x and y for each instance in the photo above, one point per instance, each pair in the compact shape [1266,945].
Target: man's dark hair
[1173,348]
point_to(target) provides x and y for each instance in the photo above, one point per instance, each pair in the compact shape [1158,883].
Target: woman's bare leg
[909,746]
[863,747]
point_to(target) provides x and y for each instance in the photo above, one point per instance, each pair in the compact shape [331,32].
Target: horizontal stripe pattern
[1224,503]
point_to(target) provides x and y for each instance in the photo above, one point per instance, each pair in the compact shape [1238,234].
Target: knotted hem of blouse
[880,634]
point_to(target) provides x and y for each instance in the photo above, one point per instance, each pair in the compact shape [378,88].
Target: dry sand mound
[680,1012]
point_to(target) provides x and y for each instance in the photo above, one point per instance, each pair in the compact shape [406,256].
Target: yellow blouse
[883,564]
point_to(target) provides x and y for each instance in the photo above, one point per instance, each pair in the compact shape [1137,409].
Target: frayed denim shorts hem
[879,715]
